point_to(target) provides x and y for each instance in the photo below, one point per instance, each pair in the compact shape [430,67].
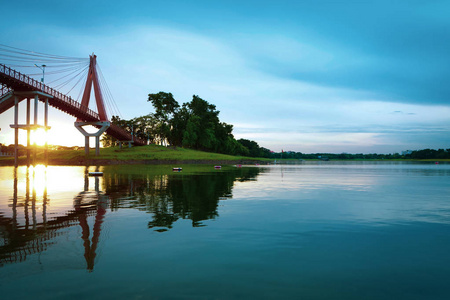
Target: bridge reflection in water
[24,235]
[45,210]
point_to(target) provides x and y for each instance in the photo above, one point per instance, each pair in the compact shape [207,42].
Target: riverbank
[151,154]
[156,155]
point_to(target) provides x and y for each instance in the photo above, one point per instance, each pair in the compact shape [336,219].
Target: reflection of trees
[23,231]
[176,196]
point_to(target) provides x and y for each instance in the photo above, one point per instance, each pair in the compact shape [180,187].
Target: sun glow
[39,137]
[38,179]
[44,188]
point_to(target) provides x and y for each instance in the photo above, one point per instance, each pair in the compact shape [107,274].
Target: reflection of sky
[377,194]
[299,230]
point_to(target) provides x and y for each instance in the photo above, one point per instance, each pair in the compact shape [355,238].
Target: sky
[307,76]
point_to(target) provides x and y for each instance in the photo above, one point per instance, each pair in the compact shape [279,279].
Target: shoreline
[107,162]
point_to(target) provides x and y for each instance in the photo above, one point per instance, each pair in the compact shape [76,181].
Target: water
[309,231]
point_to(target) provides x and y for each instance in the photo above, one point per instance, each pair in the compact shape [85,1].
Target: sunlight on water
[51,186]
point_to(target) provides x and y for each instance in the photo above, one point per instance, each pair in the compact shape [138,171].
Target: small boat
[95,173]
[217,167]
[177,169]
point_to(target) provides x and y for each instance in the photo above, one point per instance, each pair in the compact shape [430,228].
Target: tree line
[195,125]
[416,154]
[429,154]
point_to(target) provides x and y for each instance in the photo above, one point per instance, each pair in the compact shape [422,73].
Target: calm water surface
[309,231]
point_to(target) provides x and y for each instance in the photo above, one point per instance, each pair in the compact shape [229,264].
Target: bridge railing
[4,90]
[43,88]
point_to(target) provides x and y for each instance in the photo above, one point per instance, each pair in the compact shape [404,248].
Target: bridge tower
[103,124]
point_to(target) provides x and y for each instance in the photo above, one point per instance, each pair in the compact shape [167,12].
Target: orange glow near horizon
[39,137]
[62,131]
[54,187]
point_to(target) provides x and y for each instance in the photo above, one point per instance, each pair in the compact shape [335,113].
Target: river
[312,230]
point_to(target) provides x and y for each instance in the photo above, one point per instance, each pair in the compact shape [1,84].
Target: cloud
[360,76]
[396,52]
[401,113]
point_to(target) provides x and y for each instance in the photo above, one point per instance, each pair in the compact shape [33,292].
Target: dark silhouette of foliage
[194,125]
[170,198]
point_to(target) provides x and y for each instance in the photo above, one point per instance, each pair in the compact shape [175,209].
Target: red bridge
[15,85]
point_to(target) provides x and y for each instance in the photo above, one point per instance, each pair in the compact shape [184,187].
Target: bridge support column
[28,132]
[19,96]
[46,130]
[103,127]
[86,145]
[16,131]
[36,101]
[97,145]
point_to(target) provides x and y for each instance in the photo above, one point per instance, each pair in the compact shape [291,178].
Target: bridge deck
[14,82]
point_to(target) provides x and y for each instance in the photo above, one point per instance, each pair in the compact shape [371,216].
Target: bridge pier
[86,145]
[16,131]
[103,127]
[28,132]
[46,130]
[19,96]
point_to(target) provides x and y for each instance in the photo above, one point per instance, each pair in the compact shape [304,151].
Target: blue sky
[309,76]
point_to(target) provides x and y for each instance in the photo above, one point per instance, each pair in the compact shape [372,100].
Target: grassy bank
[151,154]
[154,154]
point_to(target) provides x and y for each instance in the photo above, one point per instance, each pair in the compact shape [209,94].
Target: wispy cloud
[309,75]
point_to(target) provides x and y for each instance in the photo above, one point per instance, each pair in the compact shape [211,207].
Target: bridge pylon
[12,83]
[103,124]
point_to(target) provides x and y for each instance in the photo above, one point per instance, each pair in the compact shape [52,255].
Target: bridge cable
[59,86]
[59,71]
[70,68]
[66,68]
[36,54]
[105,94]
[74,70]
[81,77]
[114,109]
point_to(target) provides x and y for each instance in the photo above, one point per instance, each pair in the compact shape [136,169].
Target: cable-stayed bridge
[16,86]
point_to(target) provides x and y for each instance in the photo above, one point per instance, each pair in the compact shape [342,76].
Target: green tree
[178,126]
[165,106]
[145,127]
[201,125]
[192,132]
[252,146]
[109,141]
